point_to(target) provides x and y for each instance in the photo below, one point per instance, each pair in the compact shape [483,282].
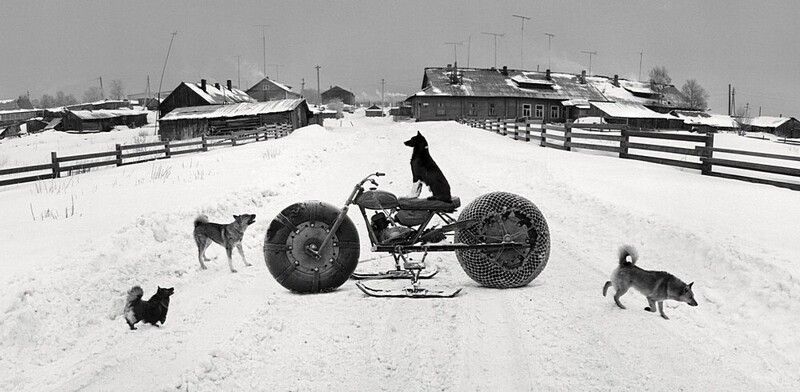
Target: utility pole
[455,53]
[238,71]
[302,86]
[147,91]
[641,55]
[383,84]
[729,99]
[495,45]
[549,37]
[102,96]
[469,46]
[162,74]
[319,94]
[590,59]
[521,40]
[264,40]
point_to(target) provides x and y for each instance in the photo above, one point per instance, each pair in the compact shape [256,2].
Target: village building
[106,104]
[83,121]
[704,122]
[626,91]
[336,93]
[201,94]
[780,126]
[270,90]
[374,111]
[634,115]
[15,104]
[453,93]
[192,122]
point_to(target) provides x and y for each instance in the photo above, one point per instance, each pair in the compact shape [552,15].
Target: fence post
[56,167]
[166,149]
[119,155]
[205,143]
[543,135]
[567,137]
[623,142]
[708,154]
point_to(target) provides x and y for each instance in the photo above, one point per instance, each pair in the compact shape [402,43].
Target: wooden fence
[135,153]
[675,149]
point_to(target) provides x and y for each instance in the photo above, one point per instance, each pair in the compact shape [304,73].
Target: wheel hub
[304,250]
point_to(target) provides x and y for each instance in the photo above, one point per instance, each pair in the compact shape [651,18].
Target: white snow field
[72,247]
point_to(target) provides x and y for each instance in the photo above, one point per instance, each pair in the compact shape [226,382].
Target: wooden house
[192,122]
[374,111]
[453,93]
[270,90]
[201,94]
[101,120]
[704,122]
[780,126]
[634,115]
[336,93]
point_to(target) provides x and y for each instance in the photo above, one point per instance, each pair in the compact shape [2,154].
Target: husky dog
[657,286]
[151,311]
[228,235]
[425,171]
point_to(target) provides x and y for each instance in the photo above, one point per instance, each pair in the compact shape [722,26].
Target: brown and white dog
[227,235]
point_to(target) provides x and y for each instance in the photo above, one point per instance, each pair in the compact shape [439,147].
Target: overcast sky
[67,45]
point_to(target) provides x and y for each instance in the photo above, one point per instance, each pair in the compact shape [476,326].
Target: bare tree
[659,80]
[47,101]
[64,100]
[117,91]
[92,94]
[696,96]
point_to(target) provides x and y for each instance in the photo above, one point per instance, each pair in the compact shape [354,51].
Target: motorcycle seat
[413,203]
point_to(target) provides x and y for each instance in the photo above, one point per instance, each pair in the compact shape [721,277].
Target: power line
[549,37]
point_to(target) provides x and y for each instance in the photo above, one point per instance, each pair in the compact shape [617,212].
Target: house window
[440,109]
[473,110]
[539,111]
[491,109]
[526,110]
[555,112]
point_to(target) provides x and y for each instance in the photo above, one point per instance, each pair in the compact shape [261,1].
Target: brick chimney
[505,70]
[216,85]
[616,80]
[583,77]
[203,84]
[547,74]
[230,85]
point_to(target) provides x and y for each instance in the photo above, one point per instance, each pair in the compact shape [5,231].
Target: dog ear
[419,134]
[236,217]
[690,285]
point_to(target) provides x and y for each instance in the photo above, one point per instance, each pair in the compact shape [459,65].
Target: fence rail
[128,154]
[650,146]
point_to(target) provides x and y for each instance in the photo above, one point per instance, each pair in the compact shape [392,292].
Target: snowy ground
[63,274]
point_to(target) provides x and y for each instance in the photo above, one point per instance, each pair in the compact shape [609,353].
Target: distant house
[192,122]
[374,111]
[337,93]
[106,104]
[15,104]
[453,93]
[628,91]
[780,126]
[704,122]
[201,94]
[101,120]
[17,116]
[270,90]
[634,115]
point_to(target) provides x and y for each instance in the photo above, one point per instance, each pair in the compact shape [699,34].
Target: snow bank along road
[61,324]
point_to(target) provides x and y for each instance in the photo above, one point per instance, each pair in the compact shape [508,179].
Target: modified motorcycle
[501,240]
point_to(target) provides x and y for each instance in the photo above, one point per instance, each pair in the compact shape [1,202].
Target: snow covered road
[60,315]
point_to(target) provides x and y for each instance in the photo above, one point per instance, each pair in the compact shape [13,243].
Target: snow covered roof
[704,118]
[234,110]
[636,92]
[765,121]
[629,110]
[482,82]
[106,113]
[221,95]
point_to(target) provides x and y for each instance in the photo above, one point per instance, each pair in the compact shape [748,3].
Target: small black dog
[151,311]
[425,171]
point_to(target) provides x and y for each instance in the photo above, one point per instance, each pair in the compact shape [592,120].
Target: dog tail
[134,294]
[202,218]
[624,252]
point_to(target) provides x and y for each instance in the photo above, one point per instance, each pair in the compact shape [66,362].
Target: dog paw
[647,308]
[202,267]
[664,316]
[234,271]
